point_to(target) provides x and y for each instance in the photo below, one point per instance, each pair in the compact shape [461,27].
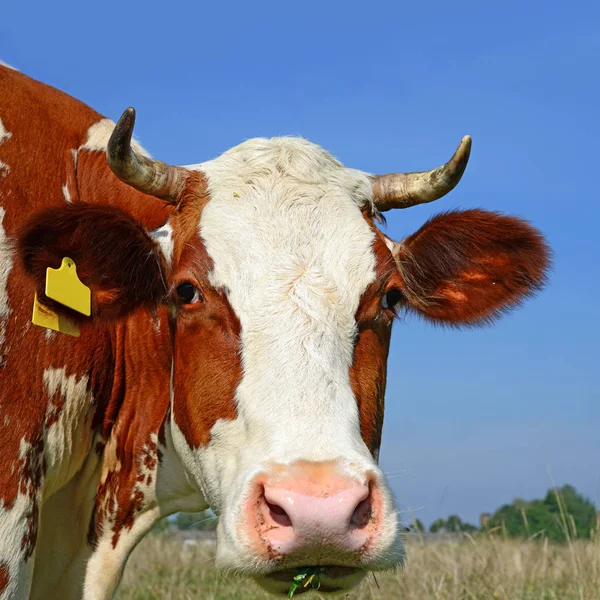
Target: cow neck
[138,400]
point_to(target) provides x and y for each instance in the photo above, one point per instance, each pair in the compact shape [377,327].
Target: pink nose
[313,508]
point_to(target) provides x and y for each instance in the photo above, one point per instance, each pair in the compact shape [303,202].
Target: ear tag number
[45,317]
[64,286]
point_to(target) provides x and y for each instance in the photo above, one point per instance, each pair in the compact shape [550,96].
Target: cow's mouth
[328,579]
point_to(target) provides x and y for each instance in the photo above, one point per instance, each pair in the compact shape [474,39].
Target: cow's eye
[392,299]
[188,293]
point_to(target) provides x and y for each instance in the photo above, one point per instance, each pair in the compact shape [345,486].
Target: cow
[235,355]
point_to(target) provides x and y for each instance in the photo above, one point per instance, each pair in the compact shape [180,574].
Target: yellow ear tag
[45,317]
[64,286]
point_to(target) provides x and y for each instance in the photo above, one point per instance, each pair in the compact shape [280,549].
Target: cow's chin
[330,579]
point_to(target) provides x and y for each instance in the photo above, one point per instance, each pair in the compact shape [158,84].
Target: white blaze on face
[290,245]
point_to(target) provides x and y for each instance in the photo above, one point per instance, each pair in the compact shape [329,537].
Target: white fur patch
[4,136]
[99,134]
[13,529]
[66,193]
[164,236]
[68,435]
[50,335]
[389,243]
[6,264]
[8,66]
[105,567]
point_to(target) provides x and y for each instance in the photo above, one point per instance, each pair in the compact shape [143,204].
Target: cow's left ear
[114,255]
[469,267]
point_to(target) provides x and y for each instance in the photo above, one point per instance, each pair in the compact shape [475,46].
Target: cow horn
[149,176]
[403,190]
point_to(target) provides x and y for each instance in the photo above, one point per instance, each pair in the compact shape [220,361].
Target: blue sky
[475,417]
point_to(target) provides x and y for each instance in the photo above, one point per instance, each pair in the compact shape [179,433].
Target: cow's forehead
[283,209]
[261,164]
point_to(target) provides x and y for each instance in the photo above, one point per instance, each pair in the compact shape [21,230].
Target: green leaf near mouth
[311,574]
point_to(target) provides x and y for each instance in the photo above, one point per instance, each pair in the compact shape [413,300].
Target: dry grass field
[472,568]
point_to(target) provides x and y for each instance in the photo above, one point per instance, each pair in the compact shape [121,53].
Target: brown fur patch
[369,367]
[136,411]
[187,217]
[4,576]
[207,361]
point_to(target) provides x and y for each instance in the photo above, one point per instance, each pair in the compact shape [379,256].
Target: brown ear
[114,255]
[469,267]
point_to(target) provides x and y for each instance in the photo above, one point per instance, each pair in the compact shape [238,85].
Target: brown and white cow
[236,353]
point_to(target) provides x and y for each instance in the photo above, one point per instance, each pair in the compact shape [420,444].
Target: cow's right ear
[114,255]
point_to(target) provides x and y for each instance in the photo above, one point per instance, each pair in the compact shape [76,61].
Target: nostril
[278,514]
[362,513]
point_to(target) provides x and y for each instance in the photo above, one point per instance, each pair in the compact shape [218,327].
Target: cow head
[281,294]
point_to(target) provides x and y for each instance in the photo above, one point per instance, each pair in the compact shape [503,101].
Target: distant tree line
[562,514]
[453,524]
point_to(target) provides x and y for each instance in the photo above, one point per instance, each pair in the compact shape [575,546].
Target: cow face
[281,294]
[285,284]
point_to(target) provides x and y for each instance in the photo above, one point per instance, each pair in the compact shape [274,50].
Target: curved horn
[403,190]
[149,176]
